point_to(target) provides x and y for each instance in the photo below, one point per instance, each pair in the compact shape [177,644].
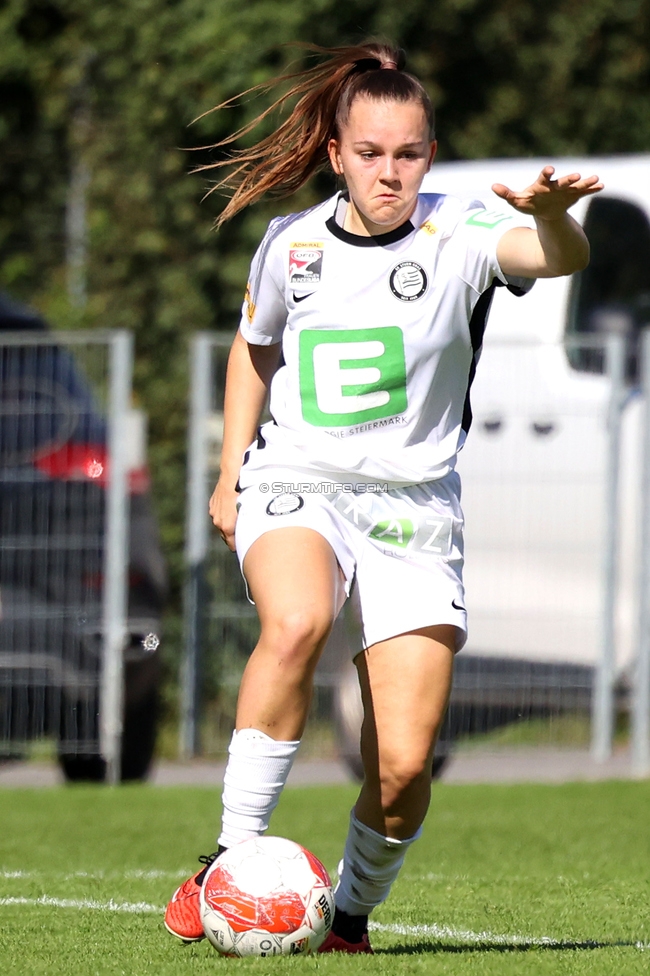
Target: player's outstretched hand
[547,198]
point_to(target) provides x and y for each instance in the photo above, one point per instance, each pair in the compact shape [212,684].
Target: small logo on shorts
[285,504]
[408,281]
[456,606]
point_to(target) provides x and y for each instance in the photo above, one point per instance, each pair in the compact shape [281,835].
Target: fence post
[116,557]
[602,716]
[641,687]
[196,540]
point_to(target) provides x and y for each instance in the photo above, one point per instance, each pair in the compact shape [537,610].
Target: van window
[613,293]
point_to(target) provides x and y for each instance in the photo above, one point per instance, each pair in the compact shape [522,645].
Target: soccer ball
[266,897]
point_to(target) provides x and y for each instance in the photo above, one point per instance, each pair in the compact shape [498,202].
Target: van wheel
[139,733]
[83,769]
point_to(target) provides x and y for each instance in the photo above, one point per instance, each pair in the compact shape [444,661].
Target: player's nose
[389,169]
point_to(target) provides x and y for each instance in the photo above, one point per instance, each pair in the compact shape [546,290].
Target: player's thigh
[405,685]
[294,578]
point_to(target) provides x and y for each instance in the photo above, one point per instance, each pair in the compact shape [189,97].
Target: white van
[533,468]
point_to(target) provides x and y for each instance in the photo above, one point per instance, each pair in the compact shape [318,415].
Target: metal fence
[64,412]
[540,476]
[557,576]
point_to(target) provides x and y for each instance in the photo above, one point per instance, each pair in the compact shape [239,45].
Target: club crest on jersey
[408,281]
[285,504]
[305,264]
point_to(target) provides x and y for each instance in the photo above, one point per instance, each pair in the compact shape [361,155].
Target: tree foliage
[117,85]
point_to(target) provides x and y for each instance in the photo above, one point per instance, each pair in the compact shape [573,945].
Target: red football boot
[334,943]
[182,915]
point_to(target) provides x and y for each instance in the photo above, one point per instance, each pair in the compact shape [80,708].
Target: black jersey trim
[335,222]
[260,443]
[477,324]
[378,240]
[516,286]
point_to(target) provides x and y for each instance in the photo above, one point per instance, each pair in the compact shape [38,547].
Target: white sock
[370,864]
[257,770]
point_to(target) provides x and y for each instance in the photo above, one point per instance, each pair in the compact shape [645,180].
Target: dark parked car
[53,460]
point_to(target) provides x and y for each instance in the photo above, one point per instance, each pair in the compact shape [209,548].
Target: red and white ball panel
[267,896]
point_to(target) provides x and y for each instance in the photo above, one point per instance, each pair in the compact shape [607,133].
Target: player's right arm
[559,246]
[250,371]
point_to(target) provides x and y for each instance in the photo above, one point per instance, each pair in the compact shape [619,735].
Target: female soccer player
[364,318]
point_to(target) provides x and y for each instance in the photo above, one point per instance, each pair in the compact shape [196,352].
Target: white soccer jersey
[380,336]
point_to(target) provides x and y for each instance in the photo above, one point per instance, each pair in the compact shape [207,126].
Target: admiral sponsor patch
[305,264]
[408,281]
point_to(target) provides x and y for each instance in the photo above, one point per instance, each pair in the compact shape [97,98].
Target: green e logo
[348,376]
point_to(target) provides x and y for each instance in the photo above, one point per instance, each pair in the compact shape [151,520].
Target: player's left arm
[558,246]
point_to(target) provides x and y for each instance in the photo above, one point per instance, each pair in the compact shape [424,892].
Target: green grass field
[507,879]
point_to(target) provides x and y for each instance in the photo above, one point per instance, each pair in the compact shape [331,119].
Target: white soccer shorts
[401,551]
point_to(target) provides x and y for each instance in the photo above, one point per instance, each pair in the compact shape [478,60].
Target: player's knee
[297,636]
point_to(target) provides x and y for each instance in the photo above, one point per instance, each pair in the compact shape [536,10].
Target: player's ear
[433,149]
[335,156]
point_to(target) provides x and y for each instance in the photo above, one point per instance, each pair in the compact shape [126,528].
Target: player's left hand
[549,199]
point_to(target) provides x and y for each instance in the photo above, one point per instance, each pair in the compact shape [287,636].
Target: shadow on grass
[415,948]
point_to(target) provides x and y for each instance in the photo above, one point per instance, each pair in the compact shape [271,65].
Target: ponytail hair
[283,162]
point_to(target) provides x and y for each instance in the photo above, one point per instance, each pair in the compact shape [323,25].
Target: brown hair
[284,161]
